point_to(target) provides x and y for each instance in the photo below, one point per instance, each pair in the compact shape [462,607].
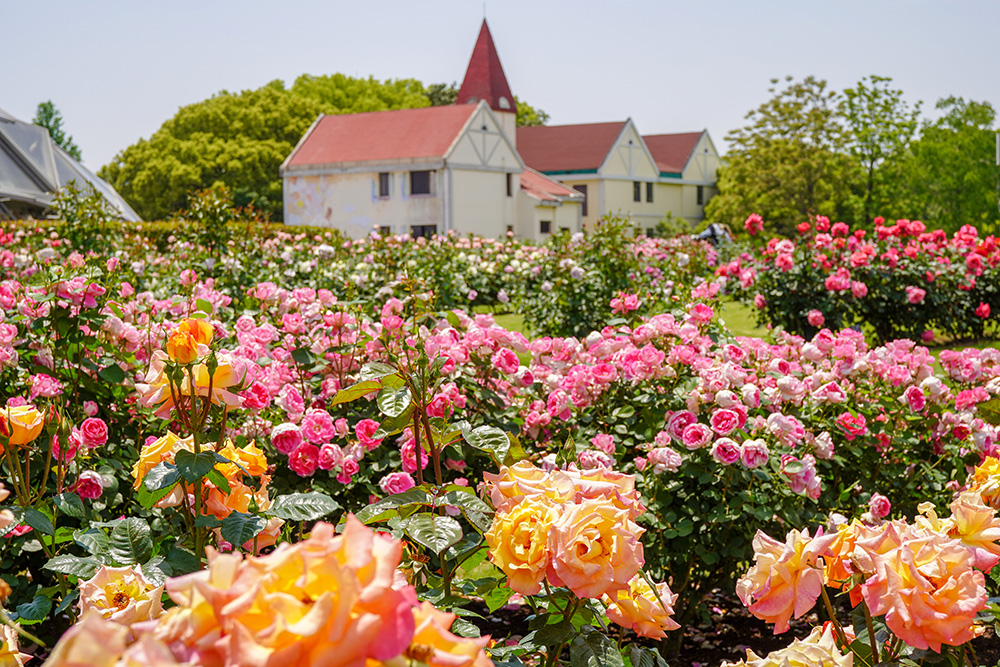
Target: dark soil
[725,638]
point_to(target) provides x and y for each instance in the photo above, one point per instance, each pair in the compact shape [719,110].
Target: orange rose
[182,347]
[434,645]
[93,642]
[594,549]
[162,449]
[519,540]
[21,424]
[786,579]
[928,591]
[200,330]
[638,608]
[976,525]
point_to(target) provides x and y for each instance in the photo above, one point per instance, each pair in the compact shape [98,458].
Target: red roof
[484,79]
[562,148]
[382,135]
[545,188]
[671,151]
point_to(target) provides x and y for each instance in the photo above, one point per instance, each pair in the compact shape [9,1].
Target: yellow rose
[21,424]
[518,541]
[638,608]
[156,452]
[10,654]
[978,528]
[594,549]
[155,390]
[818,649]
[986,480]
[93,642]
[121,594]
[436,646]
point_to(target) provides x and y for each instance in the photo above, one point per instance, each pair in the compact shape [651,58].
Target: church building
[467,168]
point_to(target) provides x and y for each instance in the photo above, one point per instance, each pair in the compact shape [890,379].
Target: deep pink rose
[365,429]
[853,425]
[330,456]
[317,426]
[879,506]
[348,469]
[93,432]
[604,442]
[915,398]
[286,437]
[725,421]
[256,396]
[506,361]
[304,460]
[89,485]
[755,453]
[696,436]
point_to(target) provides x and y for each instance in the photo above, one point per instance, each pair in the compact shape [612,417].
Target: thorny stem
[417,450]
[435,452]
[871,633]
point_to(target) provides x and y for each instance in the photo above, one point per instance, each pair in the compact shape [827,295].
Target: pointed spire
[484,79]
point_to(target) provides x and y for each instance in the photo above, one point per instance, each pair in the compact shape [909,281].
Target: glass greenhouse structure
[33,168]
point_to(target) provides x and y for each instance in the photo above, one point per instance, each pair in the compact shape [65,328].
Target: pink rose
[256,396]
[286,437]
[696,436]
[317,426]
[754,224]
[89,485]
[48,386]
[90,408]
[914,397]
[726,451]
[304,460]
[725,421]
[852,425]
[754,453]
[72,446]
[365,429]
[915,295]
[348,469]
[93,432]
[815,318]
[879,506]
[679,421]
[759,301]
[604,442]
[983,310]
[330,456]
[396,482]
[506,361]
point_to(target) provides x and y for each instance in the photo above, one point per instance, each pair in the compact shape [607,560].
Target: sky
[117,69]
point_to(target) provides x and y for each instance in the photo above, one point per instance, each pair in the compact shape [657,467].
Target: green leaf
[645,657]
[355,391]
[393,425]
[303,356]
[453,319]
[93,540]
[393,402]
[464,628]
[182,561]
[204,306]
[66,602]
[220,481]
[489,439]
[592,649]
[70,504]
[38,521]
[149,498]
[497,598]
[387,507]
[112,374]
[989,411]
[376,371]
[163,476]
[130,541]
[239,528]
[193,467]
[303,506]
[35,611]
[556,634]
[435,532]
[83,567]
[207,521]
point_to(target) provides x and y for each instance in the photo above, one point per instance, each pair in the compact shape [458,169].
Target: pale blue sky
[117,69]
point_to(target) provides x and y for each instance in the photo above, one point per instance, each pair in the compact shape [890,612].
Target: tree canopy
[240,139]
[48,116]
[854,156]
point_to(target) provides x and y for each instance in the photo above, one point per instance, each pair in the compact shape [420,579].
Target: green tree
[442,94]
[48,116]
[338,93]
[881,127]
[789,162]
[951,174]
[528,116]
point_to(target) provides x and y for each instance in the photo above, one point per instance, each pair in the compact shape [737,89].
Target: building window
[649,192]
[385,230]
[701,195]
[564,230]
[650,231]
[546,226]
[510,230]
[426,231]
[383,184]
[582,189]
[510,184]
[420,182]
[636,191]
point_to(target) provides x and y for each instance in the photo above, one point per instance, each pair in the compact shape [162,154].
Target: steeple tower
[485,80]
